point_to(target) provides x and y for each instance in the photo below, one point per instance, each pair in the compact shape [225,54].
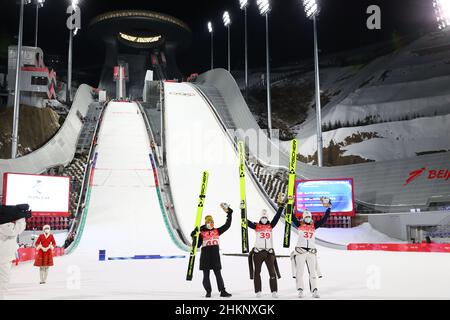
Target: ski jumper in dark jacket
[210,256]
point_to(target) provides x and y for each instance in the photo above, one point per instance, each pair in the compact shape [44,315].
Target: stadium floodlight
[442,12]
[227,22]
[15,125]
[243,4]
[226,19]
[263,6]
[312,10]
[210,29]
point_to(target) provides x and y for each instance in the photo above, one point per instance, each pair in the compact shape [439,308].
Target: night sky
[342,26]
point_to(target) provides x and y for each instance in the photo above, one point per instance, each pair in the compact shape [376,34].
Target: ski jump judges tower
[142,40]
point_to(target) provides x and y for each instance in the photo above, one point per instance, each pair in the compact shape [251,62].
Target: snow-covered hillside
[400,102]
[403,99]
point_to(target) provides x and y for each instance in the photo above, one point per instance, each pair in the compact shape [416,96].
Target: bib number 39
[265,235]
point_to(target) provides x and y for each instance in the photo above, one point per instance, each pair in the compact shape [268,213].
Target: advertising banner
[46,195]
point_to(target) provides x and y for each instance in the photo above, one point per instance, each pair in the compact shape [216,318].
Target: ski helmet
[264,217]
[307,216]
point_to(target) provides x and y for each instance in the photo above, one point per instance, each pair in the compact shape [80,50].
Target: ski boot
[301,294]
[208,294]
[258,294]
[225,294]
[315,293]
[274,295]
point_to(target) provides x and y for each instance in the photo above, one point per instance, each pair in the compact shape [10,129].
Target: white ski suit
[305,252]
[8,248]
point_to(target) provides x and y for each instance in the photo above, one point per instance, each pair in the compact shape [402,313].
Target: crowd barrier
[405,247]
[27,254]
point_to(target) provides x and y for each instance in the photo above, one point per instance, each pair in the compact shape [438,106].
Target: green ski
[244,227]
[290,204]
[198,220]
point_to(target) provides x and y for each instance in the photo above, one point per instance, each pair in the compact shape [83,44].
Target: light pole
[442,12]
[72,31]
[227,22]
[15,130]
[210,29]
[244,5]
[312,10]
[264,10]
[39,4]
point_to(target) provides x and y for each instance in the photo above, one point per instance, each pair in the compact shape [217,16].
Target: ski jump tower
[121,78]
[142,40]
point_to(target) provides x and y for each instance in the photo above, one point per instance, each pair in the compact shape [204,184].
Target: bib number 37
[308,235]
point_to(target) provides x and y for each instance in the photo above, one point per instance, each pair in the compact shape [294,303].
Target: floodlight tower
[39,4]
[243,5]
[15,130]
[312,10]
[264,9]
[211,32]
[227,22]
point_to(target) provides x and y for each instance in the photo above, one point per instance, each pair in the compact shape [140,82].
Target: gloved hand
[225,206]
[194,232]
[326,202]
[281,199]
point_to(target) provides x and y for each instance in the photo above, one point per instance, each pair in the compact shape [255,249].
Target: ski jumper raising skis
[45,244]
[305,250]
[209,240]
[263,250]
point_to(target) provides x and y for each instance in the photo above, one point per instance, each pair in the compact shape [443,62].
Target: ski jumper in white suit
[8,248]
[305,251]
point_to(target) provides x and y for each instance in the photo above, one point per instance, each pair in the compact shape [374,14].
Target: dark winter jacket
[210,255]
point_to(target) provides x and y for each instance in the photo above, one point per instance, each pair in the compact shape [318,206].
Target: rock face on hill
[36,127]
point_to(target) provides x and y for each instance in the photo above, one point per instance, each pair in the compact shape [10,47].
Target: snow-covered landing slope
[124,213]
[363,233]
[124,218]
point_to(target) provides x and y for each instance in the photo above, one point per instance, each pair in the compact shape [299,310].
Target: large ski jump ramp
[195,143]
[124,212]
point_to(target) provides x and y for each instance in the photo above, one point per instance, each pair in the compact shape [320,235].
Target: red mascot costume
[45,244]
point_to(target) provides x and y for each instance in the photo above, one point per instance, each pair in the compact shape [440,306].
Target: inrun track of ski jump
[124,218]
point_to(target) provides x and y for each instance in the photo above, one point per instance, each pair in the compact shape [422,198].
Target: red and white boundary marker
[405,247]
